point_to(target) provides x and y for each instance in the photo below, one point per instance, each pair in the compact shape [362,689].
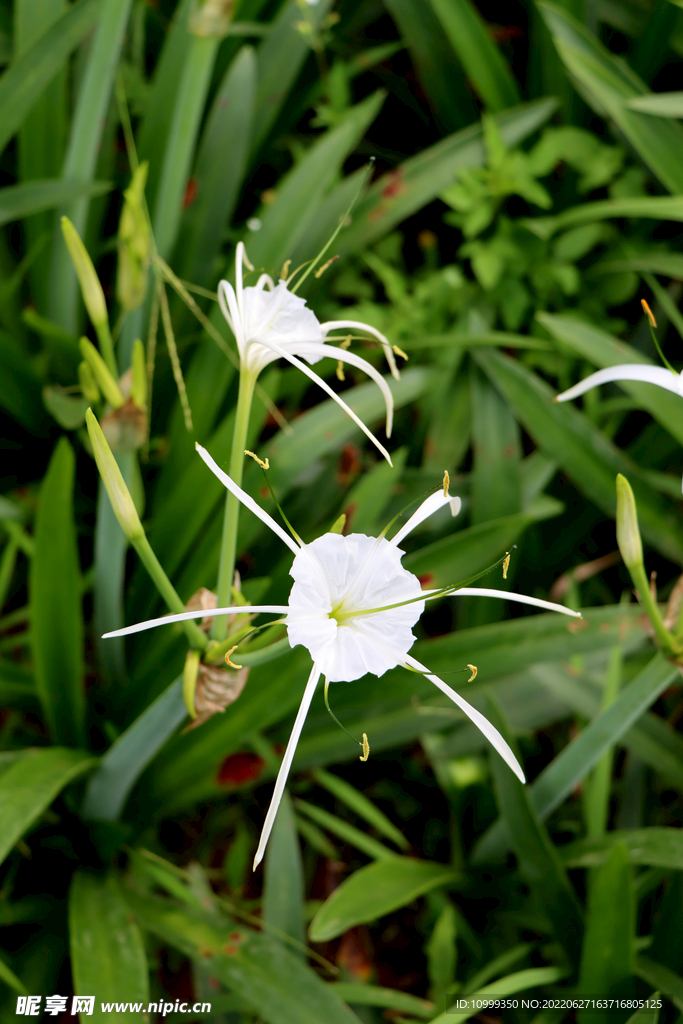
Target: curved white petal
[333,325]
[627,371]
[281,780]
[230,310]
[165,620]
[246,500]
[483,724]
[312,348]
[428,507]
[284,354]
[519,598]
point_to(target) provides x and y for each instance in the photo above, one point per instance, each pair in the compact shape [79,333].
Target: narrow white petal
[311,348]
[284,354]
[519,598]
[265,279]
[230,310]
[628,371]
[428,507]
[483,724]
[246,500]
[333,325]
[164,620]
[281,780]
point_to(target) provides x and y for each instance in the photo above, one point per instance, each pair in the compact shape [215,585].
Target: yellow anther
[446,483]
[648,312]
[263,465]
[227,658]
[506,565]
[399,352]
[285,270]
[321,270]
[366,748]
[340,370]
[473,670]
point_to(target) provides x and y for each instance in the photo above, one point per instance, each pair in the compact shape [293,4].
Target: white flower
[663,378]
[270,322]
[353,606]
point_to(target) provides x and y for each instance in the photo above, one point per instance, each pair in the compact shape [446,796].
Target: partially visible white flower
[269,322]
[662,378]
[353,606]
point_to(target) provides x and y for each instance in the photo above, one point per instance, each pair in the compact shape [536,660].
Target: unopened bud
[628,534]
[134,244]
[91,289]
[190,671]
[339,524]
[107,385]
[210,18]
[119,495]
[88,384]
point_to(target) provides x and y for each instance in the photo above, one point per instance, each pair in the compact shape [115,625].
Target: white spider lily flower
[353,606]
[269,322]
[658,375]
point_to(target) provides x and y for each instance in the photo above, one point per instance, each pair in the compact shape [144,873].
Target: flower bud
[210,18]
[628,534]
[134,244]
[119,495]
[138,388]
[88,383]
[108,386]
[190,670]
[91,289]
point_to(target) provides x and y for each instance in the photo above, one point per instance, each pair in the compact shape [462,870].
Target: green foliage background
[527,192]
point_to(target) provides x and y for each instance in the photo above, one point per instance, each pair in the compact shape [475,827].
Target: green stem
[195,636]
[664,637]
[226,569]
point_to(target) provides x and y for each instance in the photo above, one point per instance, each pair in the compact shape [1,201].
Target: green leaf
[23,83]
[283,881]
[521,981]
[126,759]
[68,410]
[194,81]
[220,167]
[556,781]
[583,452]
[30,785]
[359,994]
[271,980]
[656,847]
[607,84]
[280,58]
[416,182]
[349,833]
[650,207]
[602,350]
[9,977]
[17,201]
[442,956]
[56,613]
[538,860]
[374,891]
[108,957]
[87,126]
[485,67]
[496,966]
[299,192]
[496,477]
[610,928]
[19,387]
[646,1014]
[358,802]
[663,978]
[659,104]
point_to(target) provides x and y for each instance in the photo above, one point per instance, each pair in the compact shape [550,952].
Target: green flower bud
[134,244]
[210,18]
[138,390]
[628,534]
[119,495]
[100,371]
[91,290]
[88,383]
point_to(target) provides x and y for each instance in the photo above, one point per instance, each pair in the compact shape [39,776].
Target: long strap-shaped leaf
[576,760]
[21,86]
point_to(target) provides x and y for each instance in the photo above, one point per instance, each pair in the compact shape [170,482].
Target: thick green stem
[664,637]
[226,569]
